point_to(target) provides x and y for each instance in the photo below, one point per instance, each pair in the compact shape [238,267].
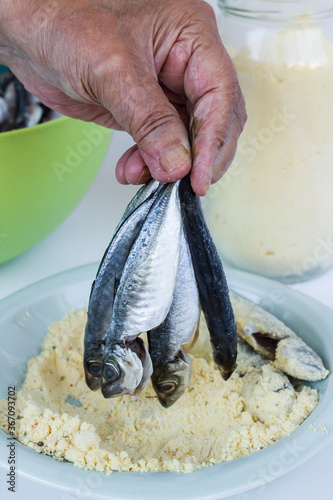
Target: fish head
[171,379]
[121,371]
[92,364]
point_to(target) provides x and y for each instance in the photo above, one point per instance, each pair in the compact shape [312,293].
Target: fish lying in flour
[108,277]
[271,337]
[143,297]
[267,392]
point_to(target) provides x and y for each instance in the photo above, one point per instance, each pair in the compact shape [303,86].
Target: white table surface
[81,239]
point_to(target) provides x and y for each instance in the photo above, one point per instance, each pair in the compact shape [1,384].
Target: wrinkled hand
[144,66]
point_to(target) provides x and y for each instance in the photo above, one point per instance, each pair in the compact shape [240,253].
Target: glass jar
[272,212]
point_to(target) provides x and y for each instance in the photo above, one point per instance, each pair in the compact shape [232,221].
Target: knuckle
[207,9]
[146,126]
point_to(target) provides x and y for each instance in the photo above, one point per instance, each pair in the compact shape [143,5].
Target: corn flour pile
[58,414]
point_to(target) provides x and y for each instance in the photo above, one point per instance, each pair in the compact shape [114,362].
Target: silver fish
[142,194]
[143,297]
[19,108]
[33,115]
[171,365]
[107,279]
[10,98]
[22,97]
[271,337]
[212,284]
[3,110]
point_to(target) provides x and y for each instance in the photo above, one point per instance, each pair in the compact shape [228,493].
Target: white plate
[24,318]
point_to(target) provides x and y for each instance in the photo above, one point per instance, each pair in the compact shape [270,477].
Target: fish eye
[168,387]
[110,373]
[94,368]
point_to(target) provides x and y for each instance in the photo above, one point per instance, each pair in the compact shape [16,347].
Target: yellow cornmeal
[269,212]
[207,425]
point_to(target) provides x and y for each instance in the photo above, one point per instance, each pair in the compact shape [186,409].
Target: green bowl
[44,172]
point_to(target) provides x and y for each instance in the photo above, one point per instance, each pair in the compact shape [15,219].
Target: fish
[212,285]
[141,195]
[171,365]
[29,110]
[272,338]
[247,358]
[10,98]
[33,114]
[143,297]
[3,110]
[107,279]
[18,107]
[267,392]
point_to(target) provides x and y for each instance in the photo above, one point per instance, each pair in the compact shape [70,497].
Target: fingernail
[175,158]
[144,177]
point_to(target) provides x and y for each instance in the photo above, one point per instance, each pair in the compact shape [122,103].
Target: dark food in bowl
[19,108]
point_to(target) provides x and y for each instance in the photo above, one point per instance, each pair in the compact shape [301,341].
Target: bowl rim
[222,480]
[25,130]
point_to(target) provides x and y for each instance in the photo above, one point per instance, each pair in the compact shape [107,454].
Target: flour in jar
[272,212]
